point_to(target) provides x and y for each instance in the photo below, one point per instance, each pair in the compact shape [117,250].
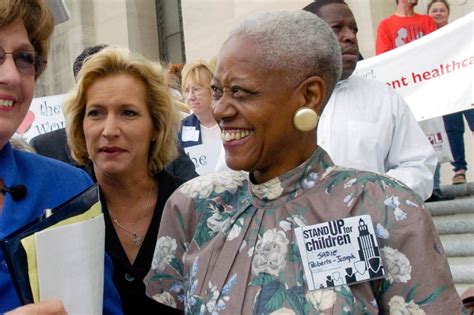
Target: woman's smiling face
[254,107]
[16,89]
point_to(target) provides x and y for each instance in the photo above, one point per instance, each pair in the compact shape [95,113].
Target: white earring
[305,119]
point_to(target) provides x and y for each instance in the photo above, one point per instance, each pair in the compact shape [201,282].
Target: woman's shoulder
[213,184]
[39,166]
[381,196]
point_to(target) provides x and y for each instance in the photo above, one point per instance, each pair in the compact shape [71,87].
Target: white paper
[70,263]
[204,156]
[339,252]
[189,133]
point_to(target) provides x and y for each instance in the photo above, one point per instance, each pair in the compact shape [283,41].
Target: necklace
[137,239]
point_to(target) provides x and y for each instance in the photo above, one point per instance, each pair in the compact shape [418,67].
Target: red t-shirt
[396,31]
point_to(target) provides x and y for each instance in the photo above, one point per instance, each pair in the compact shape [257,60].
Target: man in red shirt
[402,27]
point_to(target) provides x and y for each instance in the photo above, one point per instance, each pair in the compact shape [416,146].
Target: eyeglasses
[195,90]
[28,62]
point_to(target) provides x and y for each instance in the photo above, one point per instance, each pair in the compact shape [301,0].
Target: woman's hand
[48,307]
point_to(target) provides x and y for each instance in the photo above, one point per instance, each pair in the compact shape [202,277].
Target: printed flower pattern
[310,181]
[283,311]
[381,232]
[216,222]
[270,253]
[292,222]
[270,190]
[164,253]
[244,233]
[397,265]
[217,302]
[165,298]
[398,306]
[203,186]
[235,230]
[322,299]
[393,202]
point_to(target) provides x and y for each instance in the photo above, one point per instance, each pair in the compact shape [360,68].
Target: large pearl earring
[305,119]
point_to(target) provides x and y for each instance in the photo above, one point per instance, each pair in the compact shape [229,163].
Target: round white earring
[305,119]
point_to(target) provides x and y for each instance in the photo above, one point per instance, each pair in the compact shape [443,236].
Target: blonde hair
[113,61]
[36,17]
[197,71]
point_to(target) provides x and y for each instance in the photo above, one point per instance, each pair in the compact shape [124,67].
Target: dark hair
[315,7]
[434,1]
[87,52]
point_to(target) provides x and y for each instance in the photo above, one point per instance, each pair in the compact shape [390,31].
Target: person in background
[174,81]
[440,16]
[199,127]
[453,123]
[173,75]
[25,29]
[54,144]
[121,117]
[227,242]
[439,11]
[367,125]
[402,27]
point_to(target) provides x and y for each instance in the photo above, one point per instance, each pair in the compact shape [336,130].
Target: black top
[129,278]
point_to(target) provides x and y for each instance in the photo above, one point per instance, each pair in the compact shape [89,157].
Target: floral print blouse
[227,246]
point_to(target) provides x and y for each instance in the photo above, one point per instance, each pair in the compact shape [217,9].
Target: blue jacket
[49,183]
[190,121]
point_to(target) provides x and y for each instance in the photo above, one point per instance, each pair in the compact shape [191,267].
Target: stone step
[459,190]
[461,287]
[458,245]
[456,206]
[455,224]
[462,269]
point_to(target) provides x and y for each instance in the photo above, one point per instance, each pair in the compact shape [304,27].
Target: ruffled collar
[293,183]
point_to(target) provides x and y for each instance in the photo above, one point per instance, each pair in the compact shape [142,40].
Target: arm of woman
[165,282]
[417,274]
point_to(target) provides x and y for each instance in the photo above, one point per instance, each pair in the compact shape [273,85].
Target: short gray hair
[296,41]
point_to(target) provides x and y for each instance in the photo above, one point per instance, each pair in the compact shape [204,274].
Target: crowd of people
[300,139]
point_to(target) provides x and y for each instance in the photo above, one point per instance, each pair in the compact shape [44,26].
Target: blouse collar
[293,183]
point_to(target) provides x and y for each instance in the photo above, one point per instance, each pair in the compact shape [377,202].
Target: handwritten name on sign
[339,252]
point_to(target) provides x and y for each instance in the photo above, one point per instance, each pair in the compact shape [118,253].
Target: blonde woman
[199,128]
[121,116]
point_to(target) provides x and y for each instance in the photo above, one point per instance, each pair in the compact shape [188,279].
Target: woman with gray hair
[232,242]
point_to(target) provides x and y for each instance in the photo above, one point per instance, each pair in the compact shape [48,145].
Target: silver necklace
[137,239]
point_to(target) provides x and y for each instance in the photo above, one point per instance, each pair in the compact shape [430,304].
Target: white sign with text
[339,252]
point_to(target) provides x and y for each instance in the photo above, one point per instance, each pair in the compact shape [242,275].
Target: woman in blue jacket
[25,29]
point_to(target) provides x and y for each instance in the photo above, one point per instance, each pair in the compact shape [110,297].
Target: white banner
[45,115]
[204,156]
[434,74]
